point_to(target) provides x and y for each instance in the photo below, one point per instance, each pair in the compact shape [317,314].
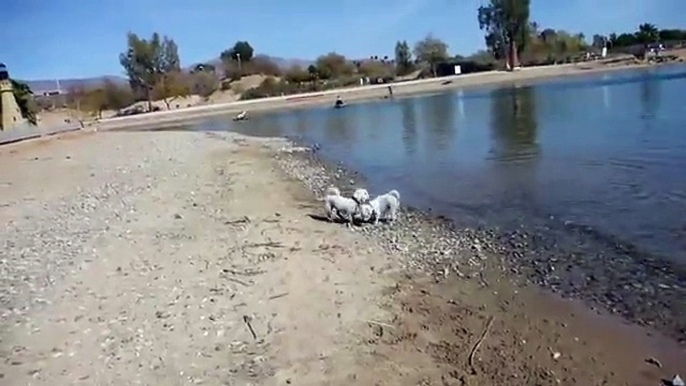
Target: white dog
[366,213]
[337,205]
[386,206]
[361,195]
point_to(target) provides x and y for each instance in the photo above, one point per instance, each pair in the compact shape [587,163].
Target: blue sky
[80,38]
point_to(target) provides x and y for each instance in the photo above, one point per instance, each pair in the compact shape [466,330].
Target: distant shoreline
[359,94]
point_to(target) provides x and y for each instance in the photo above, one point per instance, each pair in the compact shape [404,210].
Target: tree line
[154,71]
[511,36]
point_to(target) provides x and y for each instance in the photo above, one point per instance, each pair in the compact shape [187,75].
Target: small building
[458,67]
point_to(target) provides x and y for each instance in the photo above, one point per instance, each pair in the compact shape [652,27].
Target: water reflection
[650,97]
[515,150]
[439,113]
[409,121]
[460,103]
[341,127]
[606,92]
[513,123]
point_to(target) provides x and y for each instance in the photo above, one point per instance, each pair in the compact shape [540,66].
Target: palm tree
[647,33]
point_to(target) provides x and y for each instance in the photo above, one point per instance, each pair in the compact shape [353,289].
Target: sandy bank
[191,258]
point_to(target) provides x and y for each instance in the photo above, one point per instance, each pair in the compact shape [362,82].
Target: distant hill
[44,85]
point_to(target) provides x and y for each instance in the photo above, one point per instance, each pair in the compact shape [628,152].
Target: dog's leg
[349,220]
[392,216]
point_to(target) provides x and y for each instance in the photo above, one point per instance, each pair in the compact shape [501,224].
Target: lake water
[604,152]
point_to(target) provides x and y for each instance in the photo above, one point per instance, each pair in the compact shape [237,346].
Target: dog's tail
[333,191]
[395,194]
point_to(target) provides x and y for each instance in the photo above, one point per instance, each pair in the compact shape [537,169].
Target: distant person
[339,102]
[390,91]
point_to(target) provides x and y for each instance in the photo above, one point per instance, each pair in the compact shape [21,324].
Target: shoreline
[178,256]
[363,94]
[624,282]
[446,257]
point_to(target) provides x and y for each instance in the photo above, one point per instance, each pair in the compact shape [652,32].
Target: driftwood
[241,220]
[379,323]
[247,319]
[278,296]
[475,348]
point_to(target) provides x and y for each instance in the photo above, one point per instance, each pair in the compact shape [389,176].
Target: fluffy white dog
[386,206]
[366,213]
[361,195]
[336,205]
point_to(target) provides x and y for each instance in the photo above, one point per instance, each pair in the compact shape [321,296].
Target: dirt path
[176,258]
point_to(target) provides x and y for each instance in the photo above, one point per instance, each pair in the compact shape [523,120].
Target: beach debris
[677,381]
[242,220]
[556,355]
[278,296]
[380,324]
[654,361]
[475,348]
[270,244]
[246,320]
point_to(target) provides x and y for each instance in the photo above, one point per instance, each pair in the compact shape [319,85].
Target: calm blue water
[605,151]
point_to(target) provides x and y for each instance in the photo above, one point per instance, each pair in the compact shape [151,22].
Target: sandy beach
[182,258]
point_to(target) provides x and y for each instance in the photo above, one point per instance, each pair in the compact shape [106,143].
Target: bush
[261,64]
[270,87]
[203,83]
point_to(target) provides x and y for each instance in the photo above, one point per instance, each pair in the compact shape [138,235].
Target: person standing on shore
[390,91]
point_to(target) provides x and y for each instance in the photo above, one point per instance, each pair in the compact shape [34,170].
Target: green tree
[333,65]
[147,62]
[173,85]
[667,35]
[314,72]
[24,97]
[403,58]
[482,57]
[647,33]
[241,50]
[431,50]
[625,40]
[506,23]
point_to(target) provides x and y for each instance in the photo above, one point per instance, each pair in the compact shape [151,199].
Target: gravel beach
[171,257]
